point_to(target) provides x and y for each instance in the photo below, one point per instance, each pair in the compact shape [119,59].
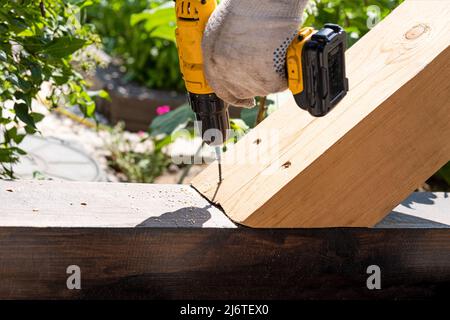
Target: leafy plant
[158,22]
[141,33]
[444,174]
[357,17]
[169,122]
[250,115]
[38,42]
[137,160]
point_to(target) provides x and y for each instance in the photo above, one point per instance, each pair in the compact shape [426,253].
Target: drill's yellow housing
[315,66]
[192,16]
[294,60]
[315,63]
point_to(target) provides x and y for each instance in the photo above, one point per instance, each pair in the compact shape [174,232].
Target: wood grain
[352,167]
[106,205]
[28,203]
[158,263]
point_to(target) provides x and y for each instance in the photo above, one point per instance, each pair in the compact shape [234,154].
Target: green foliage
[444,173]
[249,115]
[38,42]
[141,33]
[137,164]
[158,22]
[167,123]
[355,16]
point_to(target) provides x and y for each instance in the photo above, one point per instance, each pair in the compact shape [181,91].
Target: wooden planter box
[131,103]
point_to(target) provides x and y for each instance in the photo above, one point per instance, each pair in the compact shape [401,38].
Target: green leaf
[12,134]
[30,129]
[22,113]
[163,142]
[34,44]
[18,138]
[249,115]
[168,122]
[3,28]
[3,56]
[24,85]
[36,73]
[19,151]
[4,120]
[81,4]
[7,155]
[239,124]
[37,117]
[13,79]
[25,97]
[17,24]
[90,109]
[160,22]
[444,173]
[164,32]
[63,47]
[162,14]
[100,94]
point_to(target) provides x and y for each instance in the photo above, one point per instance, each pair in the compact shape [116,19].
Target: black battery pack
[323,65]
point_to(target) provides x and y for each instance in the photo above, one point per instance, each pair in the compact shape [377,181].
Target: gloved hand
[244,47]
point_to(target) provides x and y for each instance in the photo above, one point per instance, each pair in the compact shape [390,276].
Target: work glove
[244,47]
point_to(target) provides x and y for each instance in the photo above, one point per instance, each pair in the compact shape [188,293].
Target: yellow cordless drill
[210,110]
[315,68]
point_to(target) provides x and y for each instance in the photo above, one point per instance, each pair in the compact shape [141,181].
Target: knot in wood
[416,31]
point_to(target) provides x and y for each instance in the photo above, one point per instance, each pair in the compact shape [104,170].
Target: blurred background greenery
[357,17]
[141,32]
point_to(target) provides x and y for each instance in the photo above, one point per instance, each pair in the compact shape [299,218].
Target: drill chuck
[212,114]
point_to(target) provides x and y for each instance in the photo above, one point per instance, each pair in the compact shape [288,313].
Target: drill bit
[219,161]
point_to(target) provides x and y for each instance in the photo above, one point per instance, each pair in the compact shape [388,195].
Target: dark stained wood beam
[155,263]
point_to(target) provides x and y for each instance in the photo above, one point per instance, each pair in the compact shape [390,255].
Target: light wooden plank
[84,204]
[112,205]
[353,166]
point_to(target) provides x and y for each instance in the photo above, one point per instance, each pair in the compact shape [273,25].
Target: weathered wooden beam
[47,226]
[244,263]
[352,167]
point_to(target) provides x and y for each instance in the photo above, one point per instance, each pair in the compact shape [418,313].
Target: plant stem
[261,110]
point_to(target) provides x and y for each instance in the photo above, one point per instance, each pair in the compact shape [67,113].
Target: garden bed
[131,103]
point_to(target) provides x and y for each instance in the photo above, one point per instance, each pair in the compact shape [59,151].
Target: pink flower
[162,110]
[141,133]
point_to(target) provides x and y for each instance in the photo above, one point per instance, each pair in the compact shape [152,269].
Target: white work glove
[244,47]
